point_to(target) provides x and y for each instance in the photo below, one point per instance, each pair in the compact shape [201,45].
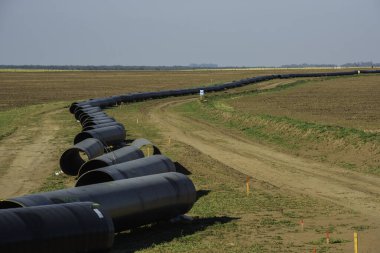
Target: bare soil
[356,191]
[349,102]
[27,157]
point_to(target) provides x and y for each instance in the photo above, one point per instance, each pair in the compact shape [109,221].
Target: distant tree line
[305,65]
[204,65]
[108,67]
[361,64]
[189,67]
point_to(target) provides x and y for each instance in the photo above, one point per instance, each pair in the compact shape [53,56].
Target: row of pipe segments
[117,187]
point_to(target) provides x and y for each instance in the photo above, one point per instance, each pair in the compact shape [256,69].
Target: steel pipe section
[99,115]
[101,102]
[141,142]
[72,227]
[84,106]
[71,160]
[130,202]
[120,155]
[111,123]
[98,121]
[84,116]
[79,112]
[137,168]
[109,135]
[74,106]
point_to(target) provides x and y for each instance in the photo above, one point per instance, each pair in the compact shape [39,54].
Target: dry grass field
[34,87]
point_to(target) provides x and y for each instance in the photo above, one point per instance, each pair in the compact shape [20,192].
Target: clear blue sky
[175,32]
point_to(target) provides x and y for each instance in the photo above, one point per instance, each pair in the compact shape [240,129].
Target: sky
[177,32]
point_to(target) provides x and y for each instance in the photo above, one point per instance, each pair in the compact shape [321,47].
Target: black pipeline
[78,113]
[91,122]
[137,168]
[130,202]
[107,135]
[87,116]
[72,227]
[111,123]
[120,155]
[97,116]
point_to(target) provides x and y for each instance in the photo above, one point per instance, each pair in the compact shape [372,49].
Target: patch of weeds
[338,240]
[54,182]
[291,214]
[322,241]
[277,237]
[223,107]
[349,166]
[256,248]
[338,131]
[360,228]
[374,169]
[273,222]
[329,229]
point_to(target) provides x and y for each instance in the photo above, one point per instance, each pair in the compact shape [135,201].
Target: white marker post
[201,94]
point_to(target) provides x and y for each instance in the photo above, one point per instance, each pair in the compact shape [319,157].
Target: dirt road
[359,192]
[26,157]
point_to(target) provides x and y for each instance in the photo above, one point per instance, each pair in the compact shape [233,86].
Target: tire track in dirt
[356,191]
[27,157]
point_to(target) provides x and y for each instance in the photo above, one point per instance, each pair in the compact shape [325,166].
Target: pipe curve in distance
[136,168]
[130,202]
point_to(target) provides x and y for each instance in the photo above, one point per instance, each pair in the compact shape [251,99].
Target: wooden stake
[356,242]
[302,224]
[247,181]
[314,250]
[170,141]
[327,237]
[137,120]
